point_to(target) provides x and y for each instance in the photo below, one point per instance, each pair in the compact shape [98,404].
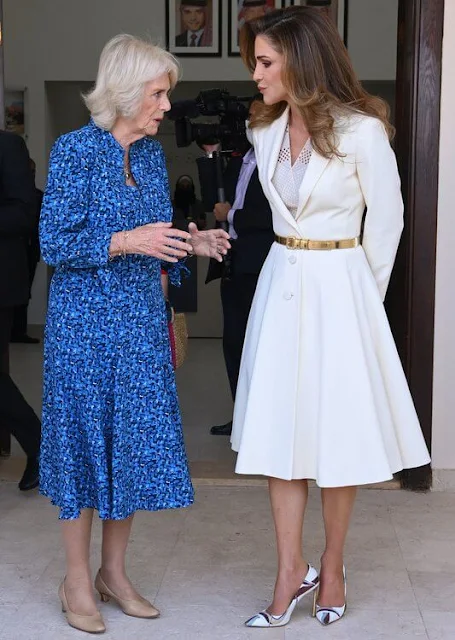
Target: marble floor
[211,566]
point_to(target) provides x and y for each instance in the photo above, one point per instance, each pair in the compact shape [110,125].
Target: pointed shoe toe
[139,608]
[90,624]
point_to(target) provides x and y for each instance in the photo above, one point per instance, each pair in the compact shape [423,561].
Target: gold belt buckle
[292,242]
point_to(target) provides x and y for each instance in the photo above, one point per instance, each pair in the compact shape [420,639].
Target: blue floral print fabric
[112,436]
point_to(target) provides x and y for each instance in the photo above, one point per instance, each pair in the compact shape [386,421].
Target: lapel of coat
[314,171]
[272,141]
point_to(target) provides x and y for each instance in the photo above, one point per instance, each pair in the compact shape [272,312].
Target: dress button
[292,259]
[287,295]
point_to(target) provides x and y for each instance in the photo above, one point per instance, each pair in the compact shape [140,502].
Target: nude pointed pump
[89,624]
[139,608]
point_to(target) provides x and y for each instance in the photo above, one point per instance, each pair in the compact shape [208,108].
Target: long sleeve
[380,183]
[67,235]
[18,202]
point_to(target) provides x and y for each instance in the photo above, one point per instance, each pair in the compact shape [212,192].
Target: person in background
[20,320]
[187,208]
[197,30]
[18,217]
[248,214]
[112,433]
[250,10]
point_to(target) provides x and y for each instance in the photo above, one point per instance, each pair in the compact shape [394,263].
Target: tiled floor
[210,567]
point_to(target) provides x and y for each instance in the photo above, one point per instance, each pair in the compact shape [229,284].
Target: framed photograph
[15,112]
[193,27]
[338,11]
[239,12]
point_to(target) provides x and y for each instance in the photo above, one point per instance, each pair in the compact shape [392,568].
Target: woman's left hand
[213,243]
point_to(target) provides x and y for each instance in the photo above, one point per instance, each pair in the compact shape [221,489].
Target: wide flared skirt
[321,393]
[111,428]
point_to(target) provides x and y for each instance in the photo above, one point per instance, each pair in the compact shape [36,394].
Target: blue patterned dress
[112,436]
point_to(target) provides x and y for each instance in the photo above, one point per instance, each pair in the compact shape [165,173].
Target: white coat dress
[322,394]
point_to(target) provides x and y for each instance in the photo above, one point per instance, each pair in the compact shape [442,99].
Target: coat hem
[351,482]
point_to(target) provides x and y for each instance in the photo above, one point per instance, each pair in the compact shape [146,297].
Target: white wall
[444,355]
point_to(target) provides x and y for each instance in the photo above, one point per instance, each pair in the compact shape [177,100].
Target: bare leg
[337,505]
[288,500]
[78,581]
[116,534]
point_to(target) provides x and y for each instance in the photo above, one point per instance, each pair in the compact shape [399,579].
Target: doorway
[411,299]
[404,41]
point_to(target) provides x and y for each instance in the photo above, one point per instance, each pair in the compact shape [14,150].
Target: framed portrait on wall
[239,12]
[15,111]
[337,10]
[193,27]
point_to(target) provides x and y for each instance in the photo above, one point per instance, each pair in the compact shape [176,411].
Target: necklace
[127,169]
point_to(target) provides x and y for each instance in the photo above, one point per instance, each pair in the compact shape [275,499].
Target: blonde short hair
[126,64]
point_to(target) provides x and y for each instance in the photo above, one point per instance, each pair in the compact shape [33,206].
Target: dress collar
[115,151]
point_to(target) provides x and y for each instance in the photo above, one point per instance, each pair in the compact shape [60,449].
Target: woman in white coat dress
[321,394]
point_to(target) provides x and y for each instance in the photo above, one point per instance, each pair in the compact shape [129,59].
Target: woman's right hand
[159,240]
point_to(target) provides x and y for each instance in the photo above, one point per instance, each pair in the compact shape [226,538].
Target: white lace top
[288,178]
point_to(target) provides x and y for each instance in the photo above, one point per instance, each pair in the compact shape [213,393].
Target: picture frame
[338,11]
[237,11]
[14,100]
[204,40]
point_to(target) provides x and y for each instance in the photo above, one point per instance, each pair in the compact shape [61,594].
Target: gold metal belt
[291,242]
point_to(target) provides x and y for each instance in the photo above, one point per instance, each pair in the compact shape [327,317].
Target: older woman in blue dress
[112,437]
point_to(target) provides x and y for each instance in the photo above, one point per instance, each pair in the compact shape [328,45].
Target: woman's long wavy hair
[317,73]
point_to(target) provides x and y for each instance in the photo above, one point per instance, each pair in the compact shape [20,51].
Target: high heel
[140,608]
[265,619]
[89,624]
[329,615]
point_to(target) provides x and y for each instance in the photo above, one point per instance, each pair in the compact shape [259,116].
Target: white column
[443,445]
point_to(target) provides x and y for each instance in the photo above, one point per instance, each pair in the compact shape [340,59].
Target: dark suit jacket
[18,214]
[182,40]
[253,225]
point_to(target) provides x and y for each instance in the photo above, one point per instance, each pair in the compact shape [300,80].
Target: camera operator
[187,208]
[251,231]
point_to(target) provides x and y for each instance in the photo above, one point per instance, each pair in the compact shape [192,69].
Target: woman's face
[154,105]
[268,71]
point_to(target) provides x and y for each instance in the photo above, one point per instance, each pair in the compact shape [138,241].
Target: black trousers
[20,314]
[15,413]
[236,298]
